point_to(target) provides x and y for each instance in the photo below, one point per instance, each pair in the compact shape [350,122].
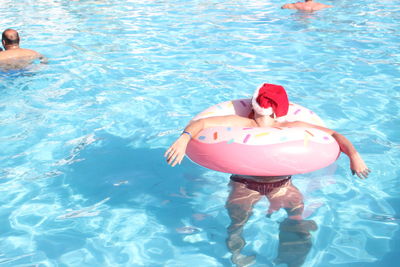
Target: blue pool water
[83,181]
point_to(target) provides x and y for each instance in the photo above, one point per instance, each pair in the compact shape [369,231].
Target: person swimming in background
[270,105]
[307,5]
[14,57]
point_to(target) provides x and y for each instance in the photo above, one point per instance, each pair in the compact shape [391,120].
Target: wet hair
[10,37]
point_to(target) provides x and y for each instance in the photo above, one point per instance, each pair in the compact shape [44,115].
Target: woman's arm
[357,164]
[177,150]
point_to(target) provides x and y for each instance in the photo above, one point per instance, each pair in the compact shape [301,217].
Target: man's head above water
[10,38]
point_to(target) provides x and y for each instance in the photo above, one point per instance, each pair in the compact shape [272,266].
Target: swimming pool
[83,179]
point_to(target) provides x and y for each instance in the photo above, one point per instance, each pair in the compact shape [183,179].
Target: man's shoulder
[289,6]
[319,6]
[300,5]
[19,55]
[307,6]
[28,51]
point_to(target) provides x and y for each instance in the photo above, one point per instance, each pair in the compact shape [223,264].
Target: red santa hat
[270,99]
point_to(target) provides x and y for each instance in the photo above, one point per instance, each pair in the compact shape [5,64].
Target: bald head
[10,37]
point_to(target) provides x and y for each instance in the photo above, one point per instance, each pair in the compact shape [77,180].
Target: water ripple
[135,72]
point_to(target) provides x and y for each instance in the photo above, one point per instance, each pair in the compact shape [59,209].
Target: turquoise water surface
[83,181]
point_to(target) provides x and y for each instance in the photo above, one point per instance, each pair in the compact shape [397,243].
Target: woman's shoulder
[229,121]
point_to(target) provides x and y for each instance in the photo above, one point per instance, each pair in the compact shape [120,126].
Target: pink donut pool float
[265,151]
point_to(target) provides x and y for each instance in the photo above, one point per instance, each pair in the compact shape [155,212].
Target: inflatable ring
[262,151]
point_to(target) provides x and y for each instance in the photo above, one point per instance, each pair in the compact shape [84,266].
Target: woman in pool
[270,105]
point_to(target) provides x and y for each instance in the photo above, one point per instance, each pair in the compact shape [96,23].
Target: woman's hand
[358,166]
[177,150]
